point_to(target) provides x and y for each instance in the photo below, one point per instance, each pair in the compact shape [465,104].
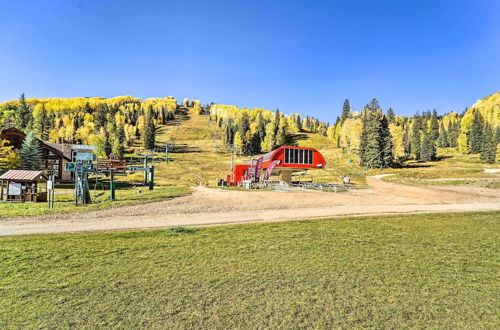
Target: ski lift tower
[82,163]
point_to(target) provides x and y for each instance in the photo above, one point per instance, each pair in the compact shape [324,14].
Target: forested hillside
[372,137]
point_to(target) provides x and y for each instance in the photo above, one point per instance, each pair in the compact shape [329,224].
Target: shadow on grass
[414,165]
[295,138]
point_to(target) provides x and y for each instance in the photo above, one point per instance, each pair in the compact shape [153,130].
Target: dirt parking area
[209,206]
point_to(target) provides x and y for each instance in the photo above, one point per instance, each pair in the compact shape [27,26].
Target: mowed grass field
[454,168]
[423,271]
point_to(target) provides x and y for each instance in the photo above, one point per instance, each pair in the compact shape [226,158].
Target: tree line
[113,125]
[378,138]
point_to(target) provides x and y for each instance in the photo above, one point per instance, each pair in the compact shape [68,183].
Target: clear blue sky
[298,56]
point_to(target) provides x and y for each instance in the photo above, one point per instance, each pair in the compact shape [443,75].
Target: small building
[23,186]
[54,155]
[283,162]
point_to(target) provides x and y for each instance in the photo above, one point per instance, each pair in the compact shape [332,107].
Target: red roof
[22,175]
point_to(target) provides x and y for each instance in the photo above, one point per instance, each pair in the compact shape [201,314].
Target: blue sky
[298,56]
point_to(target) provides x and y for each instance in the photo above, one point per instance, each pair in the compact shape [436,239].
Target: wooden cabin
[23,186]
[54,155]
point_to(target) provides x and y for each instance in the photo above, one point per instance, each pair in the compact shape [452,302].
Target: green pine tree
[387,153]
[391,116]
[346,110]
[426,148]
[148,139]
[87,108]
[277,117]
[416,136]
[108,146]
[281,138]
[100,117]
[30,155]
[434,129]
[23,114]
[443,137]
[244,126]
[119,142]
[488,146]
[497,135]
[374,139]
[364,138]
[42,123]
[406,142]
[475,137]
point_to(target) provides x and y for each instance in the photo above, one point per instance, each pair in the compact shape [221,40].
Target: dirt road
[208,206]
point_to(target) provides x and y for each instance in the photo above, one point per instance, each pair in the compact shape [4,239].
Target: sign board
[83,147]
[107,165]
[50,185]
[258,167]
[270,169]
[84,157]
[14,189]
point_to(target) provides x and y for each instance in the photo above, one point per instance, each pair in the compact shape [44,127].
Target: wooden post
[111,186]
[1,190]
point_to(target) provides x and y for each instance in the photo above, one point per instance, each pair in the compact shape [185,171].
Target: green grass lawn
[454,169]
[423,271]
[64,203]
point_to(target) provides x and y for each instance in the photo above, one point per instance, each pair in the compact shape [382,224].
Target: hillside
[199,156]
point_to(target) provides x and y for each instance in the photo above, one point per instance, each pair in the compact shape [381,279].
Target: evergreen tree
[434,129]
[476,132]
[87,108]
[23,114]
[148,139]
[244,127]
[373,105]
[108,147]
[119,142]
[426,148]
[416,136]
[298,123]
[443,137]
[375,140]
[406,142]
[387,153]
[281,138]
[101,116]
[488,146]
[497,135]
[346,110]
[375,148]
[229,134]
[391,115]
[261,127]
[277,116]
[364,138]
[253,144]
[31,157]
[42,123]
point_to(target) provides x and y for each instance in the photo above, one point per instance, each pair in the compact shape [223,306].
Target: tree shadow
[403,166]
[293,139]
[184,149]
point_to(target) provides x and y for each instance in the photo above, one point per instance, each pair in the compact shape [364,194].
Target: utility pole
[166,152]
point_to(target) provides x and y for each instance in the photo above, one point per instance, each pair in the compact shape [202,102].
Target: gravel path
[207,206]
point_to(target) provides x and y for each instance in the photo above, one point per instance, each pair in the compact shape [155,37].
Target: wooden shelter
[23,186]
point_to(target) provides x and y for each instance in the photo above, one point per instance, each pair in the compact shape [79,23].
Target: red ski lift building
[283,162]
